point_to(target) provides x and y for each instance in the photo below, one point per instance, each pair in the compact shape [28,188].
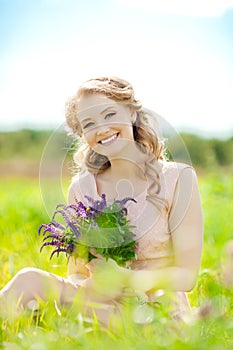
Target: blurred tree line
[209,152]
[202,153]
[29,144]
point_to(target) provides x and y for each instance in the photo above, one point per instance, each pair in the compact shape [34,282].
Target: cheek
[89,137]
[128,131]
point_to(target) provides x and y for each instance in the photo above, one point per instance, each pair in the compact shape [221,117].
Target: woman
[123,156]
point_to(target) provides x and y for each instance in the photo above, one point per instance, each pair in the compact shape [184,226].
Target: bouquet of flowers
[86,231]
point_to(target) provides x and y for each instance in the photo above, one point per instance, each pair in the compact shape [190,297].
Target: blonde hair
[147,138]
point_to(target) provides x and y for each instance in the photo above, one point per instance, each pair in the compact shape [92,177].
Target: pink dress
[154,244]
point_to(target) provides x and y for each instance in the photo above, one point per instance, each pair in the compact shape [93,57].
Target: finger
[93,263]
[93,252]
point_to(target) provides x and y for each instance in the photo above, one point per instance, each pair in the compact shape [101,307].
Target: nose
[102,129]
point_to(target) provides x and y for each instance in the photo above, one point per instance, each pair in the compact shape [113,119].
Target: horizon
[172,131]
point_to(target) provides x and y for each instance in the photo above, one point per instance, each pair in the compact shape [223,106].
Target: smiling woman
[124,157]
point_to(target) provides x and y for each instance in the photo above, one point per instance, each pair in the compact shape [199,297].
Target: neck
[123,179]
[130,161]
[126,175]
[125,168]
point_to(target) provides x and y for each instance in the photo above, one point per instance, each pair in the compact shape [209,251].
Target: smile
[109,140]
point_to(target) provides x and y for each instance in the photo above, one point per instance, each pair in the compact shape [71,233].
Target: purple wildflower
[82,210]
[46,228]
[58,250]
[123,201]
[98,226]
[97,205]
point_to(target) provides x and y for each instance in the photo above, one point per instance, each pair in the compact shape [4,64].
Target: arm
[77,270]
[186,225]
[72,196]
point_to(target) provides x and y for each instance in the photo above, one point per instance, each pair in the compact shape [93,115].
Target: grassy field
[22,211]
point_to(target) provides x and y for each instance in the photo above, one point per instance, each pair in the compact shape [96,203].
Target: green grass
[21,213]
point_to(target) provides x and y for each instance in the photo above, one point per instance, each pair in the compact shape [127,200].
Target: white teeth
[113,137]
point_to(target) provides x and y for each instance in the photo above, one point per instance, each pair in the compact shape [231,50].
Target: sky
[178,55]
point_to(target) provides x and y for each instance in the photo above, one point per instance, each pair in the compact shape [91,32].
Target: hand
[107,279]
[78,272]
[77,266]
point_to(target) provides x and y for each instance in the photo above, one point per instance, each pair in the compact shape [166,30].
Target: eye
[88,125]
[109,115]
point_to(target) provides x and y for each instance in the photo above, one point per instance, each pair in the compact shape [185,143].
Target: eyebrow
[84,120]
[105,109]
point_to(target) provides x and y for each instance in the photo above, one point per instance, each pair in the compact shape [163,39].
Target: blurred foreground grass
[22,211]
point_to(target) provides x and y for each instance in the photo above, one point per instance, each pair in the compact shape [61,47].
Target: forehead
[91,104]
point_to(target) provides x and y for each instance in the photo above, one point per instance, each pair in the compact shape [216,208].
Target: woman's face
[106,124]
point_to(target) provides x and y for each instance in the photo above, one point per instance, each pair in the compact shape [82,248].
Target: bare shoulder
[168,165]
[181,171]
[187,175]
[187,181]
[74,192]
[177,173]
[83,184]
[186,197]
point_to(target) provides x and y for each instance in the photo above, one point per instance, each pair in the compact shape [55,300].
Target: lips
[109,139]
